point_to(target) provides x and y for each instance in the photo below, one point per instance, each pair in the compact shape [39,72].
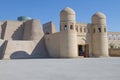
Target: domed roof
[24,18]
[99,15]
[67,10]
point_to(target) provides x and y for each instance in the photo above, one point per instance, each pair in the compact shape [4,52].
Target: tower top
[68,11]
[99,15]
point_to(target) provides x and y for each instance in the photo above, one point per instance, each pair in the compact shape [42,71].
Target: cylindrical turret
[99,35]
[68,44]
[68,37]
[67,19]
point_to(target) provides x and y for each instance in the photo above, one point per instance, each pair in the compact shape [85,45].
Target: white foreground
[61,69]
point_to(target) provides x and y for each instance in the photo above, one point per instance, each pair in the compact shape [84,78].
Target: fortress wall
[18,49]
[114,52]
[102,42]
[32,30]
[3,28]
[49,28]
[15,47]
[62,44]
[81,28]
[24,49]
[0,29]
[27,30]
[81,40]
[2,47]
[68,44]
[52,42]
[84,35]
[13,30]
[89,39]
[99,35]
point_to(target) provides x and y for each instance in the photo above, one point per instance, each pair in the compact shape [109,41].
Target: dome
[99,15]
[68,10]
[23,18]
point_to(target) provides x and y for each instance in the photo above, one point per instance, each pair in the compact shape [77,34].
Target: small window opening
[80,29]
[84,29]
[65,27]
[104,29]
[99,29]
[71,26]
[77,29]
[94,30]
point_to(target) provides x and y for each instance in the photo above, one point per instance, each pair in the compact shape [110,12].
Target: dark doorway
[83,50]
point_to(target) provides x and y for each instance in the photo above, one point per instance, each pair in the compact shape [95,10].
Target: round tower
[68,38]
[67,19]
[99,35]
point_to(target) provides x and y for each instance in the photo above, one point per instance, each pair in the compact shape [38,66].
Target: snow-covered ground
[61,69]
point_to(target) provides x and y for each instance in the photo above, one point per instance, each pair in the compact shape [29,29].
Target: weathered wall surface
[26,39]
[114,52]
[81,40]
[52,42]
[68,44]
[100,45]
[89,39]
[49,28]
[13,30]
[1,28]
[25,49]
[99,35]
[32,30]
[62,44]
[22,40]
[2,48]
[81,33]
[18,49]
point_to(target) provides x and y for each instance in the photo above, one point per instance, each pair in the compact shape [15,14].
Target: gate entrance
[83,50]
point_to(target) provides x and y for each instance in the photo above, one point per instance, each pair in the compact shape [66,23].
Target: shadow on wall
[2,49]
[17,35]
[39,51]
[20,55]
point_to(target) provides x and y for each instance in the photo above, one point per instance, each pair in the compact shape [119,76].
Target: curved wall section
[32,30]
[68,44]
[52,42]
